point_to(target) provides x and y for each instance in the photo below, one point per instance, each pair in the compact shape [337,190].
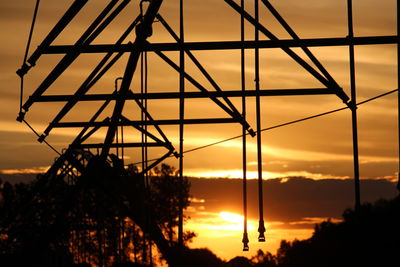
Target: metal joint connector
[252,132]
[23,70]
[41,138]
[352,105]
[21,116]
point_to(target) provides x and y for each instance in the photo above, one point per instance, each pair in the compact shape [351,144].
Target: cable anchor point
[252,132]
[41,138]
[21,116]
[23,70]
[352,104]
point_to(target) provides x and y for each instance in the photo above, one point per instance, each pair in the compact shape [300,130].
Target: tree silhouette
[34,230]
[169,192]
[239,261]
[366,237]
[199,258]
[108,217]
[262,259]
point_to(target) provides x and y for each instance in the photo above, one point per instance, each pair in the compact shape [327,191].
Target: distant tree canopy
[367,237]
[104,218]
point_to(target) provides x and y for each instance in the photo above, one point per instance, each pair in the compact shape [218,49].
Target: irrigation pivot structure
[114,100]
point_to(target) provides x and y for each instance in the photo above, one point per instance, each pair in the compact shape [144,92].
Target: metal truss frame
[142,25]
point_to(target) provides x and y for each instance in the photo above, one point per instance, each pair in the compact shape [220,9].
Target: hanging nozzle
[245,241]
[261,230]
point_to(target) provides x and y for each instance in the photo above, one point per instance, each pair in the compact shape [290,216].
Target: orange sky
[320,148]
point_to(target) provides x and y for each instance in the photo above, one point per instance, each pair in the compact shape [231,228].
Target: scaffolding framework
[149,127]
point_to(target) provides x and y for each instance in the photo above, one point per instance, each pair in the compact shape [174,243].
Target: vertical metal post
[116,129]
[398,92]
[353,105]
[117,141]
[142,114]
[122,148]
[146,119]
[181,118]
[143,90]
[245,239]
[261,227]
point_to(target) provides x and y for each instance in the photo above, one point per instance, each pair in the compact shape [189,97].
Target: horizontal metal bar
[100,145]
[176,95]
[226,45]
[138,123]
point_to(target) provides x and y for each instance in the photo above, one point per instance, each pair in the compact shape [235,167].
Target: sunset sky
[317,149]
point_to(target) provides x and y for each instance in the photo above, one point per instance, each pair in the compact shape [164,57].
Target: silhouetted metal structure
[118,122]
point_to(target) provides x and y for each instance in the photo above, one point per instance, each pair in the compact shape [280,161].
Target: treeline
[369,236]
[52,223]
[104,218]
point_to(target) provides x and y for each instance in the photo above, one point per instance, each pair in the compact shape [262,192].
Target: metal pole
[142,113]
[261,227]
[146,155]
[245,239]
[398,92]
[181,119]
[353,105]
[117,142]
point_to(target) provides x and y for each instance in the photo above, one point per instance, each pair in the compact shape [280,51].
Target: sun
[231,217]
[231,221]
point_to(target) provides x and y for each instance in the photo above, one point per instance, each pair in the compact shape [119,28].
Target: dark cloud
[289,201]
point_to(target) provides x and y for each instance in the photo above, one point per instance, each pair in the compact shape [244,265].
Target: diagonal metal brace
[208,76]
[339,91]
